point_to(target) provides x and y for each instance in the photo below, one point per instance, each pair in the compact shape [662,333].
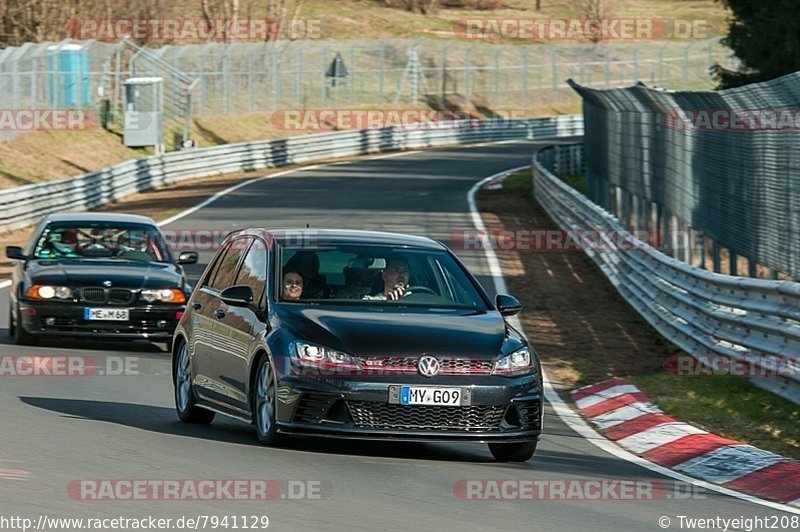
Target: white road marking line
[568,415]
[13,474]
[604,395]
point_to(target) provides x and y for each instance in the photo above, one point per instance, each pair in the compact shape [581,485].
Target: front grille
[93,295]
[116,296]
[370,415]
[449,366]
[459,366]
[121,296]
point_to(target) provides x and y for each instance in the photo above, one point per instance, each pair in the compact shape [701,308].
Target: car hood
[393,333]
[121,274]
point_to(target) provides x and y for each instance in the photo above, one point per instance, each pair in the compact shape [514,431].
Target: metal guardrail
[706,314]
[23,206]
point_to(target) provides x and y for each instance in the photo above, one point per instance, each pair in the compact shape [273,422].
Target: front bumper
[58,318]
[502,410]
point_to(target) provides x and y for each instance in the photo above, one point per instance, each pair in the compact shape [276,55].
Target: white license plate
[107,314]
[428,395]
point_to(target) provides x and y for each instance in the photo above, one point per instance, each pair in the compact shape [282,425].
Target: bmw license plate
[106,314]
[429,395]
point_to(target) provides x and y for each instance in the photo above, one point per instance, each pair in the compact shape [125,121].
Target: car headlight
[517,363]
[165,295]
[318,356]
[46,291]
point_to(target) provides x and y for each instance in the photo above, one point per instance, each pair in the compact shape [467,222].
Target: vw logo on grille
[107,283]
[428,366]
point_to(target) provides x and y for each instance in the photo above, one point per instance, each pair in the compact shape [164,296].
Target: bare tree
[593,10]
[283,13]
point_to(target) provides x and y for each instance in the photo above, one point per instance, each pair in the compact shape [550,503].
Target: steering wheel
[418,289]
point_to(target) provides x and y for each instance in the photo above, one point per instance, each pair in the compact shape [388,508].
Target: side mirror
[237,296]
[507,305]
[187,257]
[15,253]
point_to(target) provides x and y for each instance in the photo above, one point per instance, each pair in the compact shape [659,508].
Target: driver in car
[395,280]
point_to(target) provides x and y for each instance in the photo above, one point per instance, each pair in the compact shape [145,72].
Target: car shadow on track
[163,420]
[141,346]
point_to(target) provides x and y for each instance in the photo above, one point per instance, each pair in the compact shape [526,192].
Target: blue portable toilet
[68,75]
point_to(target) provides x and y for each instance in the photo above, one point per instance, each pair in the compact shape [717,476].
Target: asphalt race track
[61,429]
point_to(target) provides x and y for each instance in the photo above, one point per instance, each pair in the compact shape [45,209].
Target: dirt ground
[569,308]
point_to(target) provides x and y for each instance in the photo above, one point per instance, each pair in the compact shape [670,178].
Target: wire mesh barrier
[709,315]
[721,167]
[23,206]
[250,77]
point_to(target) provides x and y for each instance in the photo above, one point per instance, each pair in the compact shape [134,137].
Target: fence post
[382,70]
[525,77]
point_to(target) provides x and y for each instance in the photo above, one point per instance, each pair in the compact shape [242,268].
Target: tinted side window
[253,272]
[212,269]
[226,269]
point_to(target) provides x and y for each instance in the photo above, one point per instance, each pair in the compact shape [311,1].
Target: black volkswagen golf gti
[355,334]
[98,275]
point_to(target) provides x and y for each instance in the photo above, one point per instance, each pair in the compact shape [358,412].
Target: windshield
[376,276]
[102,240]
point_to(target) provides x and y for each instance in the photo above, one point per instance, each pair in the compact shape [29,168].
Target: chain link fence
[231,79]
[720,168]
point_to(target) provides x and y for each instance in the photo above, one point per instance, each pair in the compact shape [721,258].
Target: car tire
[185,402]
[513,452]
[21,336]
[264,404]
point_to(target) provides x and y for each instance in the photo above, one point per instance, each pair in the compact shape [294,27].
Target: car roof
[99,217]
[312,237]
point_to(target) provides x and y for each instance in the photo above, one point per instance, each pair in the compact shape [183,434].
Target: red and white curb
[627,416]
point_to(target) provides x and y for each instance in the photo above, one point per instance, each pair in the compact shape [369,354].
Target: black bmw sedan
[355,334]
[99,275]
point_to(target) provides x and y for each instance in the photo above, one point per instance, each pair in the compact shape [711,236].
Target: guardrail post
[752,269]
[646,215]
[733,266]
[666,220]
[716,256]
[700,247]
